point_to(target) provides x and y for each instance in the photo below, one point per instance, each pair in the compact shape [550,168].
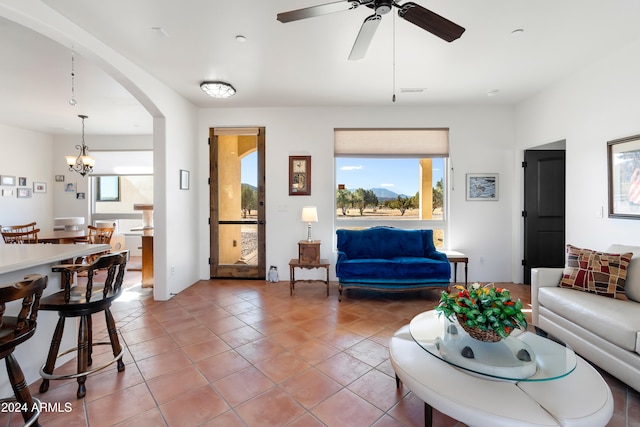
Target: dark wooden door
[544,209]
[237,203]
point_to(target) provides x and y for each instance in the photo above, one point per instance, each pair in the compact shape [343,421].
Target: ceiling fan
[412,12]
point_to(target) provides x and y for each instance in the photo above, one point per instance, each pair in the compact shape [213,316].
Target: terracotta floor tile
[150,418]
[260,349]
[137,336]
[168,386]
[205,349]
[163,363]
[120,406]
[152,347]
[343,368]
[241,336]
[225,324]
[228,419]
[243,385]
[310,387]
[377,388]
[292,337]
[346,408]
[341,338]
[314,351]
[272,408]
[282,366]
[194,407]
[369,352]
[328,358]
[221,365]
[192,335]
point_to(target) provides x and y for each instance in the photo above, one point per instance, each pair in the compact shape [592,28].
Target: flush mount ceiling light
[218,89]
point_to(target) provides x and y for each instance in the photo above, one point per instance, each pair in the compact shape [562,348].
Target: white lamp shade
[309,214]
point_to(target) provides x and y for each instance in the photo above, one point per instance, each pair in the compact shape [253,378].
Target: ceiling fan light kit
[410,11]
[218,89]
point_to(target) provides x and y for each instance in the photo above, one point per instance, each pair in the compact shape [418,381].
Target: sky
[398,175]
[402,176]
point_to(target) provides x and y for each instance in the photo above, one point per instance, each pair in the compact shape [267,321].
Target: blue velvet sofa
[390,259]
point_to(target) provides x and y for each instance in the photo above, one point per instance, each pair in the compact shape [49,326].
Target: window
[392,177]
[108,189]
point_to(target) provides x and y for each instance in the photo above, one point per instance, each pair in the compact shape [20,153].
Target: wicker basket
[480,335]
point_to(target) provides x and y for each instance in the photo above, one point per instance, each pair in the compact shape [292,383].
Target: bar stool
[16,330]
[82,302]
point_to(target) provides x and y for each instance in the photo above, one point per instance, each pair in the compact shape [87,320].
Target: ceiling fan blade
[313,11]
[430,21]
[365,35]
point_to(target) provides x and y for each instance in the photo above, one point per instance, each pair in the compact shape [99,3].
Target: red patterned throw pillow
[596,272]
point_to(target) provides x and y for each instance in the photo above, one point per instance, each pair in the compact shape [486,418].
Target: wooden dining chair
[18,228]
[19,237]
[14,330]
[82,301]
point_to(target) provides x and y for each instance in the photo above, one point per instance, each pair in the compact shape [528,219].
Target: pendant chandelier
[82,163]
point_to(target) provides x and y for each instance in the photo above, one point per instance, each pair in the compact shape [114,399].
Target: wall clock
[299,175]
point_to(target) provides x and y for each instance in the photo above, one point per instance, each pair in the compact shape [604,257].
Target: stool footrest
[53,376]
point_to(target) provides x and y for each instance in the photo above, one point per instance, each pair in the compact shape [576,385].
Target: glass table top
[523,356]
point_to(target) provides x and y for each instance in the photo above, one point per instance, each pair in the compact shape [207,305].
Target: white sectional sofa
[603,330]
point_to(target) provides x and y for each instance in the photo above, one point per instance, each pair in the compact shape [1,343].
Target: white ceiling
[301,63]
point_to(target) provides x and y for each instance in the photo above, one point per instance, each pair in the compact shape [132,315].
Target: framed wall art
[299,175]
[22,181]
[39,187]
[7,193]
[482,186]
[7,180]
[59,178]
[623,160]
[24,193]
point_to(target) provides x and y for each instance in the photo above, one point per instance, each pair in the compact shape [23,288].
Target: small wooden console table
[306,265]
[454,258]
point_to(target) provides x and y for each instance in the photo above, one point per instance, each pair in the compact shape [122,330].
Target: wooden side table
[454,258]
[306,265]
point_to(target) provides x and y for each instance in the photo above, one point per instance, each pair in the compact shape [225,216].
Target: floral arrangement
[484,308]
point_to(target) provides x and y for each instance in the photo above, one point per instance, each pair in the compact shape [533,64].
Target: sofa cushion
[613,320]
[383,242]
[596,272]
[632,286]
[399,269]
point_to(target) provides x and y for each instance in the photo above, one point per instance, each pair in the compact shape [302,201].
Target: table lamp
[309,215]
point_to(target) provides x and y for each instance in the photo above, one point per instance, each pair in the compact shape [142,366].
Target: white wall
[597,104]
[26,154]
[481,140]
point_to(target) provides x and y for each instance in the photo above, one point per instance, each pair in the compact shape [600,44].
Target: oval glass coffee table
[564,390]
[523,356]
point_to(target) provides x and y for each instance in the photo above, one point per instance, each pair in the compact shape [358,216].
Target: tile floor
[245,353]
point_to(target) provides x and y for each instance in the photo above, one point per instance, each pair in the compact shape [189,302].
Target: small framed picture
[299,175]
[22,181]
[39,187]
[24,193]
[80,196]
[70,187]
[482,186]
[7,193]
[7,180]
[184,179]
[59,178]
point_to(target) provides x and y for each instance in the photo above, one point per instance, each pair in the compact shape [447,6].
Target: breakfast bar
[17,261]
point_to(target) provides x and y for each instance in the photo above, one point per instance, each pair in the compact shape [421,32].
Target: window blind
[430,142]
